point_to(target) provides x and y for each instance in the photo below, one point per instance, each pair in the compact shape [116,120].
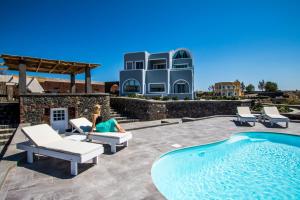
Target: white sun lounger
[244,115]
[83,126]
[272,114]
[46,141]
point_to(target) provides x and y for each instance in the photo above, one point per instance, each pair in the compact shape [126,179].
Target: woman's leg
[119,127]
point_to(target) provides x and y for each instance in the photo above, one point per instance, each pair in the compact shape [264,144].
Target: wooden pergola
[24,63]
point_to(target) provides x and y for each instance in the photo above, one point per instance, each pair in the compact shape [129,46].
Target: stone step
[5,136]
[115,115]
[3,141]
[120,118]
[7,130]
[8,121]
[4,126]
[127,121]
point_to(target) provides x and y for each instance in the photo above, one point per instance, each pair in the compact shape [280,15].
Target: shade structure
[46,65]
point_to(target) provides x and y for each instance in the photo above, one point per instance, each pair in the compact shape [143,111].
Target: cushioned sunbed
[45,141]
[272,114]
[244,115]
[83,126]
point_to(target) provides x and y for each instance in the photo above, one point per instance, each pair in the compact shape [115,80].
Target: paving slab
[125,174]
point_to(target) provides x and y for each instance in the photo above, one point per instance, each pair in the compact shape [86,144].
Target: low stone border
[188,119]
[152,126]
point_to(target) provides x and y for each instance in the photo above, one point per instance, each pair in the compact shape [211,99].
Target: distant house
[158,74]
[54,85]
[32,83]
[228,89]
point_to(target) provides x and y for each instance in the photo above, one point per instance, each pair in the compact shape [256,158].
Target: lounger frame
[105,139]
[242,119]
[73,158]
[111,141]
[244,115]
[275,117]
[273,120]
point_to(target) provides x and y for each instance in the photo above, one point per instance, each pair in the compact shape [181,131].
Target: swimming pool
[252,165]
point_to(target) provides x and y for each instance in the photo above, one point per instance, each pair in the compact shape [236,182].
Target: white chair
[244,115]
[83,126]
[272,114]
[44,140]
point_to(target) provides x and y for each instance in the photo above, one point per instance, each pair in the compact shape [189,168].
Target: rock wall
[155,110]
[9,113]
[35,108]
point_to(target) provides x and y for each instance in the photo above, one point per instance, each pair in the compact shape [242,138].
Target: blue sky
[245,40]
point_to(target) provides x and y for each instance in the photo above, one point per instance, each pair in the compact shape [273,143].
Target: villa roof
[45,65]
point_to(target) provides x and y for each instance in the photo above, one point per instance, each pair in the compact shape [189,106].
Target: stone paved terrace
[124,175]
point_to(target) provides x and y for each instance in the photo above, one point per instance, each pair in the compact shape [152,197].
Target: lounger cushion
[247,116]
[76,137]
[271,110]
[41,134]
[244,111]
[112,134]
[73,147]
[83,125]
[273,113]
[277,117]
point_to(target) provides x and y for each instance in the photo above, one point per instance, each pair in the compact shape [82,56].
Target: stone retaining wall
[35,108]
[9,113]
[155,110]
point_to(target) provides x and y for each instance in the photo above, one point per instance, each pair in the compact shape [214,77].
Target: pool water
[246,166]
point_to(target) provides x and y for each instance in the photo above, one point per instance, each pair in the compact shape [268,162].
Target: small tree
[271,86]
[250,88]
[261,85]
[243,86]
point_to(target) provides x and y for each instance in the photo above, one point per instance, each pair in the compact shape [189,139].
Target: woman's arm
[94,117]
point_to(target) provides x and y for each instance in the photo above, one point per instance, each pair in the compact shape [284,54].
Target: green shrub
[165,98]
[284,109]
[186,98]
[257,107]
[156,98]
[132,95]
[175,98]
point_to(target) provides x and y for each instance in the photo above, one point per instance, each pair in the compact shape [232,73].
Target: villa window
[181,54]
[180,66]
[156,87]
[159,66]
[132,86]
[139,65]
[181,87]
[129,65]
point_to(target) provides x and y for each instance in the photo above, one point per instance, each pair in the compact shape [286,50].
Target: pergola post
[22,79]
[88,84]
[73,84]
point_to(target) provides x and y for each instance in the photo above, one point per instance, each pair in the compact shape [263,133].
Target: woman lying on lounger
[110,125]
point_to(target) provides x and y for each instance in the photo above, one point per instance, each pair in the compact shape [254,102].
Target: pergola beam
[67,70]
[23,64]
[55,66]
[38,67]
[45,65]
